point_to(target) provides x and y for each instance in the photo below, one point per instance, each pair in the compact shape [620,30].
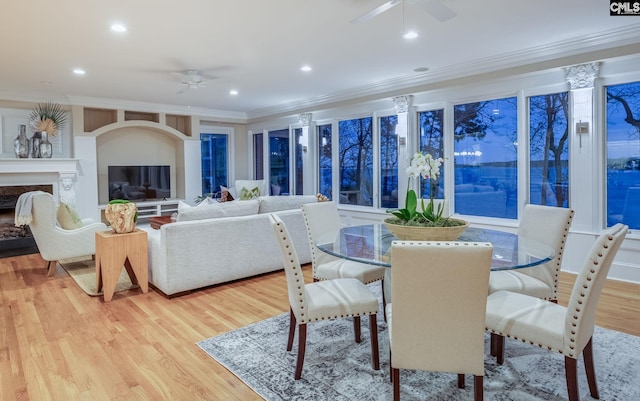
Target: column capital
[582,75]
[402,103]
[305,119]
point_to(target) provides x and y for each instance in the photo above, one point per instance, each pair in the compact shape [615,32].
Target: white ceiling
[258,47]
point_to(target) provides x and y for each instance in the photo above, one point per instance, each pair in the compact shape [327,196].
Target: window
[485,158]
[623,154]
[431,141]
[299,168]
[388,162]
[279,162]
[325,172]
[258,149]
[214,148]
[549,149]
[355,153]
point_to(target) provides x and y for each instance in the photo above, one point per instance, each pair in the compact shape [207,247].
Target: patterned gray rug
[336,368]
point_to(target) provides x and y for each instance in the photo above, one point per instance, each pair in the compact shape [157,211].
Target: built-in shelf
[148,209]
[141,116]
[98,118]
[179,123]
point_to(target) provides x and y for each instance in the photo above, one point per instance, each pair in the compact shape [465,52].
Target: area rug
[83,272]
[337,368]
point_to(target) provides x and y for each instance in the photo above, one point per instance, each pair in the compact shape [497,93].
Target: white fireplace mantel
[26,166]
[62,174]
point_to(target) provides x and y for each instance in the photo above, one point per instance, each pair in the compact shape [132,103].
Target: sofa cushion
[219,209]
[270,204]
[68,217]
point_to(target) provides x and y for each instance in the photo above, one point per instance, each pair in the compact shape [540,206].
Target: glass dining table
[371,244]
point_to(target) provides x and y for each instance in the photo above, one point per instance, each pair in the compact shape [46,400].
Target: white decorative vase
[121,216]
[420,233]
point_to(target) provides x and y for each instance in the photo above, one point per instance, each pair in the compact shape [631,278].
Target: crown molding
[562,50]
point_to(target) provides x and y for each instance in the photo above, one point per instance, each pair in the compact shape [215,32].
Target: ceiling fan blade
[375,12]
[437,10]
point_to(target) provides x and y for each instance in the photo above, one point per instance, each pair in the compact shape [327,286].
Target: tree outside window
[623,154]
[325,170]
[485,158]
[431,141]
[355,161]
[279,161]
[388,161]
[549,149]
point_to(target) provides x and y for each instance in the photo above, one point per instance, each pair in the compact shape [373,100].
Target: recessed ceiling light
[305,68]
[118,28]
[421,69]
[79,71]
[233,92]
[410,35]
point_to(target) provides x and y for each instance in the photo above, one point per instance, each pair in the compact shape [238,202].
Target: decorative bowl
[421,233]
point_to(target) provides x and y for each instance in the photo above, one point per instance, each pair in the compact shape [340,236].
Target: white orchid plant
[426,166]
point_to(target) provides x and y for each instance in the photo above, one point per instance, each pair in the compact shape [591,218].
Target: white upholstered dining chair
[54,242]
[550,226]
[323,300]
[436,320]
[567,330]
[323,223]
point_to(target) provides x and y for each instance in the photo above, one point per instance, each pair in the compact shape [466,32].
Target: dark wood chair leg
[460,380]
[390,367]
[375,353]
[356,328]
[302,343]
[292,329]
[571,372]
[499,349]
[384,301]
[587,353]
[396,384]
[478,388]
[492,345]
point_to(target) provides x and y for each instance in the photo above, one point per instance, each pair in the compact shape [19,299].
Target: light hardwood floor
[57,343]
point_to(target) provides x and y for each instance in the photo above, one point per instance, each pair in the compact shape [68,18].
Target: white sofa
[219,242]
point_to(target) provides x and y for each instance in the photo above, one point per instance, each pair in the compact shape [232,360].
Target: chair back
[292,270]
[550,226]
[439,305]
[323,223]
[43,224]
[581,309]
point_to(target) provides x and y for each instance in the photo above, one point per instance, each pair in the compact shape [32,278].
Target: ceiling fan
[435,8]
[192,79]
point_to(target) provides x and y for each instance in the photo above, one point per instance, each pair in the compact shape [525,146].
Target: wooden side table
[113,251]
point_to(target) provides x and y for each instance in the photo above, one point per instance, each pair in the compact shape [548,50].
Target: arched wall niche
[134,143]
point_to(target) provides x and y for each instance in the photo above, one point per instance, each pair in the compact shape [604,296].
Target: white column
[581,79]
[308,183]
[402,105]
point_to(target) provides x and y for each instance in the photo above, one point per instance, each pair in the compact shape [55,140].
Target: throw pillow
[247,194]
[262,185]
[225,194]
[68,217]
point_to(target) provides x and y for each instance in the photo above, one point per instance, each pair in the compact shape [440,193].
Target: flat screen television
[139,183]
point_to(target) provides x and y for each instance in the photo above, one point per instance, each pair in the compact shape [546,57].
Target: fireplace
[22,175]
[15,240]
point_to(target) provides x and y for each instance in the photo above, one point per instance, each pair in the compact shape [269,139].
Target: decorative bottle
[21,143]
[46,149]
[35,145]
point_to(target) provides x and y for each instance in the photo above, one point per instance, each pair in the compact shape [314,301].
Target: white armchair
[54,242]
